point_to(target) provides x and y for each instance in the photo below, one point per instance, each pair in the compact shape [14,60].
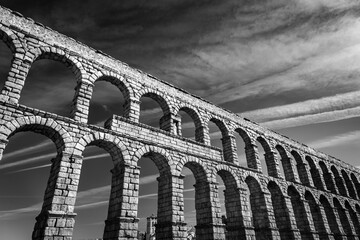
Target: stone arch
[339,181]
[286,163]
[159,97]
[251,158]
[353,216]
[281,211]
[349,184]
[207,206]
[45,126]
[270,160]
[195,116]
[331,217]
[260,217]
[328,178]
[159,156]
[233,206]
[356,183]
[116,79]
[320,222]
[344,220]
[59,55]
[315,174]
[113,145]
[300,166]
[303,222]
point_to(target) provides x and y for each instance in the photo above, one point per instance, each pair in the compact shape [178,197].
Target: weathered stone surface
[318,198]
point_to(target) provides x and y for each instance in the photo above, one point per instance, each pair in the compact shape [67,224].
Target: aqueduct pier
[316,196]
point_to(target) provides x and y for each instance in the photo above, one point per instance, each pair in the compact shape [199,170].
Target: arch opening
[286,169]
[300,166]
[109,97]
[190,126]
[49,85]
[249,155]
[216,133]
[339,181]
[316,214]
[266,158]
[154,111]
[330,216]
[356,183]
[256,203]
[349,184]
[302,220]
[315,175]
[327,177]
[344,220]
[281,211]
[354,218]
[231,207]
[24,172]
[92,200]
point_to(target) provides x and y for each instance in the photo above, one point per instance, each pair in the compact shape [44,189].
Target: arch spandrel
[47,127]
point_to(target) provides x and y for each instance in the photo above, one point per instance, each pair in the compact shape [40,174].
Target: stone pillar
[56,219]
[290,170]
[346,223]
[290,231]
[304,174]
[81,102]
[170,217]
[324,233]
[272,164]
[252,158]
[248,229]
[229,149]
[331,185]
[202,135]
[335,225]
[303,217]
[236,227]
[168,123]
[341,186]
[122,221]
[208,214]
[132,109]
[269,228]
[15,79]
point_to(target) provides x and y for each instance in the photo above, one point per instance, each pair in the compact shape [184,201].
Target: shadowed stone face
[311,196]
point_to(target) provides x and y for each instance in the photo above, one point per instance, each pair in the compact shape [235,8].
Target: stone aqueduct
[318,198]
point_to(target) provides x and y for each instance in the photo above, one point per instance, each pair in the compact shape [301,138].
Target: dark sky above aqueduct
[291,65]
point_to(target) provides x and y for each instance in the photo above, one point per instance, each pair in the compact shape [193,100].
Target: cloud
[28,160]
[336,140]
[308,107]
[28,150]
[314,118]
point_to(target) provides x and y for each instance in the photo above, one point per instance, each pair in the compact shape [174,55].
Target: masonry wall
[317,197]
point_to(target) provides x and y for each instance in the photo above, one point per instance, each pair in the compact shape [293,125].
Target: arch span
[45,126]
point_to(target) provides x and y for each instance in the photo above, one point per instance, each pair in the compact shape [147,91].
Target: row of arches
[172,112]
[252,208]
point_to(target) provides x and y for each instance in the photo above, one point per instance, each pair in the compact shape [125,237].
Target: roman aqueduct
[317,197]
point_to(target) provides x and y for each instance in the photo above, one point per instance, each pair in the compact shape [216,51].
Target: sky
[290,65]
